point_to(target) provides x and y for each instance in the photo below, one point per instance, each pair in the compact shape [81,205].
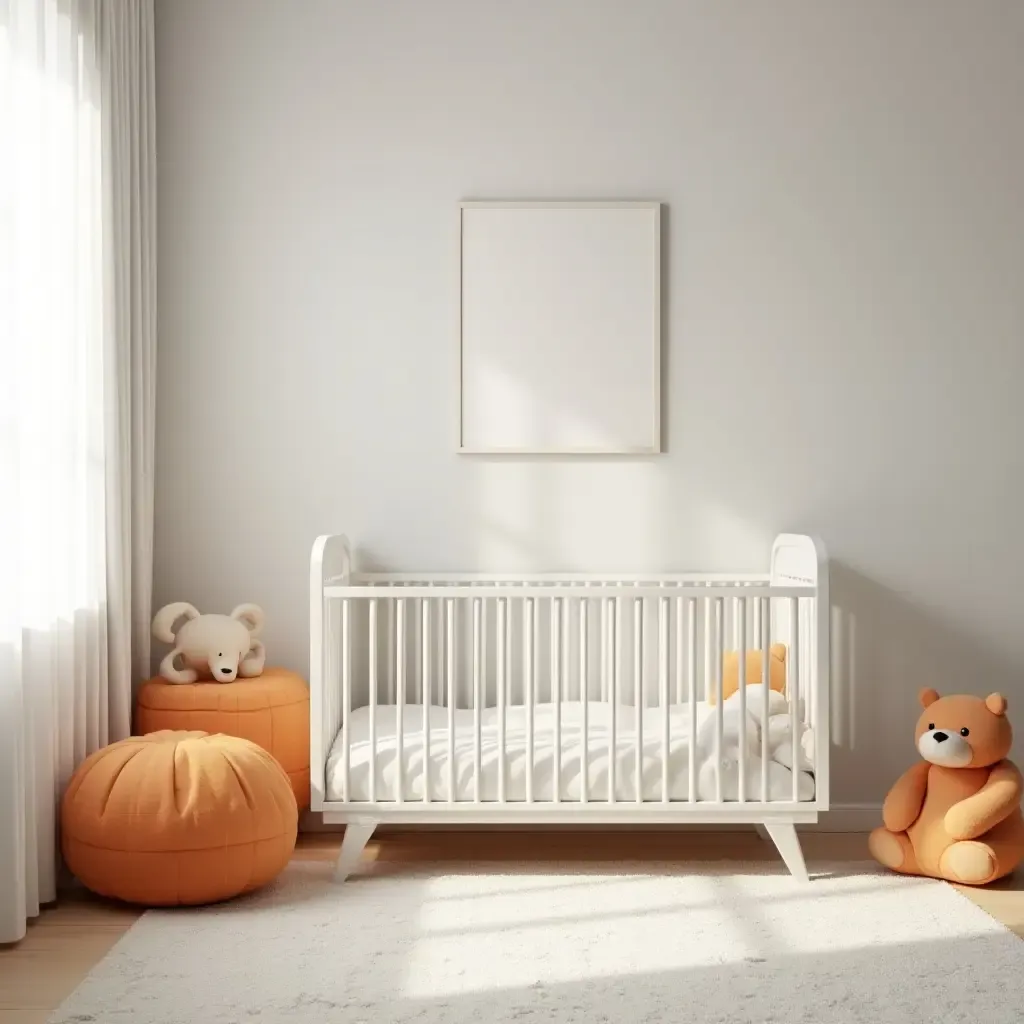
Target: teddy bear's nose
[227,672]
[940,737]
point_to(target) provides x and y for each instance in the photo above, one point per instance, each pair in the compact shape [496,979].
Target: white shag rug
[709,943]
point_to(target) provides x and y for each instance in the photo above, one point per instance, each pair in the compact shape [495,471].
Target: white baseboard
[841,818]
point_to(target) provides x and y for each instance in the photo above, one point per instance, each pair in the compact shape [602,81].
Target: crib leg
[787,842]
[762,831]
[357,835]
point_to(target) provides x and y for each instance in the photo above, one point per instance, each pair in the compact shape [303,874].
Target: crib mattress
[570,773]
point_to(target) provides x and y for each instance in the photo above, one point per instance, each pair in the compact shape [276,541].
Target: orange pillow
[178,818]
[731,671]
[271,710]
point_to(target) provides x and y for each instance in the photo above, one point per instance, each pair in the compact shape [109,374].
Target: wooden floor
[67,940]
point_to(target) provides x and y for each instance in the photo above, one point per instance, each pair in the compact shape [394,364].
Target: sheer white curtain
[77,365]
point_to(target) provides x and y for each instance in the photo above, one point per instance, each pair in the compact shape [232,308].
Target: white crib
[568,699]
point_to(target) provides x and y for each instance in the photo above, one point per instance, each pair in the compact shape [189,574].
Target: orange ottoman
[178,818]
[271,710]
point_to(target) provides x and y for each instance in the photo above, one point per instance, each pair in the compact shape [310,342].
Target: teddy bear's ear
[778,652]
[996,703]
[164,620]
[251,616]
[927,697]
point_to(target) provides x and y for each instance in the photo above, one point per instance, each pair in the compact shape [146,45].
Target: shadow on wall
[884,650]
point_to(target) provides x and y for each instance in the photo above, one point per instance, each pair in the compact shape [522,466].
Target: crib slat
[709,650]
[793,693]
[741,646]
[511,604]
[373,700]
[427,695]
[392,625]
[484,645]
[766,642]
[691,671]
[477,648]
[719,702]
[346,698]
[807,657]
[508,653]
[663,685]
[438,645]
[556,698]
[605,642]
[500,657]
[679,650]
[529,632]
[564,685]
[584,698]
[638,698]
[709,654]
[400,688]
[566,636]
[537,668]
[613,744]
[449,625]
[606,682]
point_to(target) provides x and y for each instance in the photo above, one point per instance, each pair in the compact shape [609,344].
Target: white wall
[844,318]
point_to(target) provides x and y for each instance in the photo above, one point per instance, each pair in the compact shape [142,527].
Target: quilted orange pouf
[178,818]
[271,710]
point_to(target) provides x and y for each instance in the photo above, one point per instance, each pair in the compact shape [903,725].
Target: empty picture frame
[560,328]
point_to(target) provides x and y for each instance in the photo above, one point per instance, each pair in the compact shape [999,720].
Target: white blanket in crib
[713,780]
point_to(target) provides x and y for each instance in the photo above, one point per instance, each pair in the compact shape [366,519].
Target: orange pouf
[271,710]
[178,818]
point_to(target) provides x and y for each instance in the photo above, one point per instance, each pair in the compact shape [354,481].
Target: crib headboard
[331,562]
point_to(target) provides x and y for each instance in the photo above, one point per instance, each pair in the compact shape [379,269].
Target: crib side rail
[516,589]
[330,564]
[476,578]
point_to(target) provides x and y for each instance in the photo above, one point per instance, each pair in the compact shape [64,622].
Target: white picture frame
[559,328]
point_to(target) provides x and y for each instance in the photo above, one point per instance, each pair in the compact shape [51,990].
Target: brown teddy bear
[956,814]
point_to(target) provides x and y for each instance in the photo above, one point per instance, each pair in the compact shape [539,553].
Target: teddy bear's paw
[968,862]
[890,849]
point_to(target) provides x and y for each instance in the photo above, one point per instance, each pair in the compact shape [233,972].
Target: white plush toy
[218,647]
